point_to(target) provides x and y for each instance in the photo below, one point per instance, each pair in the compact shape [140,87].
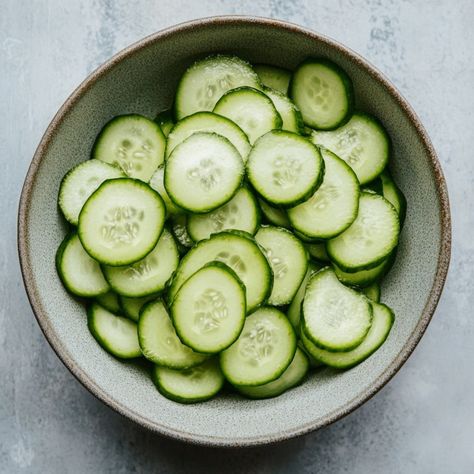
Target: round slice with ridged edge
[382,323]
[239,251]
[117,335]
[323,92]
[133,143]
[157,183]
[121,221]
[149,275]
[80,274]
[210,123]
[335,317]
[334,205]
[362,143]
[275,77]
[203,172]
[285,168]
[290,378]
[193,385]
[265,348]
[370,238]
[209,309]
[80,182]
[251,110]
[205,81]
[159,342]
[288,259]
[240,213]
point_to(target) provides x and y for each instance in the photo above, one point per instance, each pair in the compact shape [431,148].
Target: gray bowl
[142,79]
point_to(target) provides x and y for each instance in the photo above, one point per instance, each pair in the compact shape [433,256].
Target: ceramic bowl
[142,79]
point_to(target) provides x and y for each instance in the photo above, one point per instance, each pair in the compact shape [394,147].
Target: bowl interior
[143,80]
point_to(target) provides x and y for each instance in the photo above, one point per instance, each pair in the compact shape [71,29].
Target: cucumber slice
[263,351]
[334,205]
[110,301]
[318,251]
[251,110]
[362,143]
[288,259]
[239,251]
[207,80]
[393,195]
[157,183]
[294,310]
[203,172]
[131,307]
[121,222]
[240,213]
[370,238]
[335,318]
[323,92]
[117,335]
[290,378]
[372,292]
[80,274]
[196,384]
[382,323]
[80,182]
[149,275]
[210,123]
[274,215]
[275,77]
[133,143]
[209,309]
[159,342]
[165,121]
[292,121]
[285,168]
[365,278]
[180,232]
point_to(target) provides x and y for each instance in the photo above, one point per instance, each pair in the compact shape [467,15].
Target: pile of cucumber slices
[239,237]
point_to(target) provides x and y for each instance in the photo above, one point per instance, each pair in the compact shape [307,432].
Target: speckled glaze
[142,79]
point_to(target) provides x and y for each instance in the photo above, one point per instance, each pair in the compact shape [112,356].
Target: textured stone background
[422,422]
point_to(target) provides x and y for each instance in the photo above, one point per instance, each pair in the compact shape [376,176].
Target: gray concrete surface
[422,422]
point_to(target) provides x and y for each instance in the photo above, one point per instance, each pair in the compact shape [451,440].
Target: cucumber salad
[240,237]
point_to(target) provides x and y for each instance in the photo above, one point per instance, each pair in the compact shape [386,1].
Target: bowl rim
[84,378]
